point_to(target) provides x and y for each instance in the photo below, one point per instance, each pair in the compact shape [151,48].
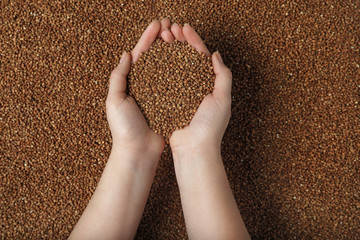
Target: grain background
[292,147]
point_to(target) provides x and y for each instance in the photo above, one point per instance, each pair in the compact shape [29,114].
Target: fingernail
[219,56]
[175,24]
[123,57]
[186,24]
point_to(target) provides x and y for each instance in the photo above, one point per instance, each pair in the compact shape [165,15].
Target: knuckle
[114,72]
[227,72]
[108,102]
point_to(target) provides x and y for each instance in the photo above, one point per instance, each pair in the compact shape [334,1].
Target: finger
[165,23]
[117,85]
[167,36]
[223,79]
[177,32]
[146,39]
[194,39]
[165,33]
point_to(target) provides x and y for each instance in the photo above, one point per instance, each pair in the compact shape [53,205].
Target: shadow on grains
[245,136]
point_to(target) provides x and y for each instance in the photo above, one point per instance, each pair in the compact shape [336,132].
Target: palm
[213,114]
[134,129]
[204,116]
[206,124]
[127,124]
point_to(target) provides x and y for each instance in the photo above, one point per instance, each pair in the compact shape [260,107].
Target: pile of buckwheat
[168,82]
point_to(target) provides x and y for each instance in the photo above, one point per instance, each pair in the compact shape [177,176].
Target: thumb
[223,79]
[117,85]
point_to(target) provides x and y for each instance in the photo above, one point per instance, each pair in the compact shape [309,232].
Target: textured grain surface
[292,147]
[168,83]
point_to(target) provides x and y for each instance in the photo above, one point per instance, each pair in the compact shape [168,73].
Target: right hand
[128,126]
[210,121]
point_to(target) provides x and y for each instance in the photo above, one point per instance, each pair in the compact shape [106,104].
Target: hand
[120,197]
[208,125]
[128,126]
[198,165]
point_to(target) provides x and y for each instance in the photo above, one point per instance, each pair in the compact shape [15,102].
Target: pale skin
[116,207]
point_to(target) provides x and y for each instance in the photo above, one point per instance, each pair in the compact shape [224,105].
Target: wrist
[194,165]
[185,154]
[136,158]
[150,145]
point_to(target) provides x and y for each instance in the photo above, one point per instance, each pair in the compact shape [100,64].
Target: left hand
[128,126]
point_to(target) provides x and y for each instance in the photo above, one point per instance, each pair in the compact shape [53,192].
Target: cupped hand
[128,126]
[210,121]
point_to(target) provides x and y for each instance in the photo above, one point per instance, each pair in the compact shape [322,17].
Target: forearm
[209,207]
[116,207]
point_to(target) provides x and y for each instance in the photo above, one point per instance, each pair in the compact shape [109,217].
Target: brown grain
[292,148]
[169,82]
